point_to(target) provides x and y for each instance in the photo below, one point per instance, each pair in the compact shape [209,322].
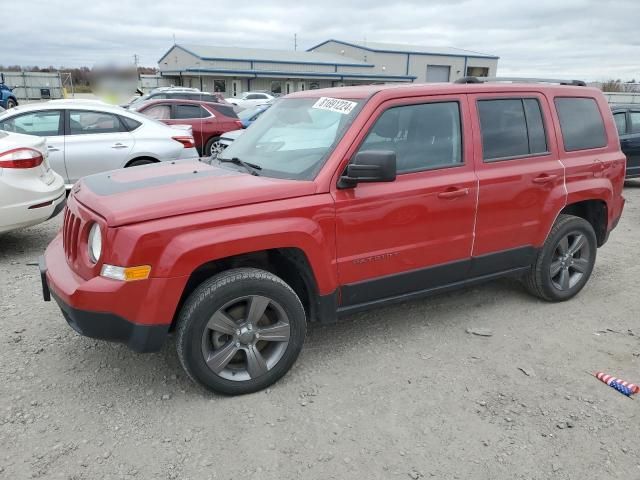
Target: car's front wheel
[240,331]
[213,147]
[11,103]
[565,262]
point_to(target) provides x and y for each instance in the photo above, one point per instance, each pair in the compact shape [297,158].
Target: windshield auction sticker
[335,105]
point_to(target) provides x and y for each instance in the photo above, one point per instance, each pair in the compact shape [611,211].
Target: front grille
[70,234]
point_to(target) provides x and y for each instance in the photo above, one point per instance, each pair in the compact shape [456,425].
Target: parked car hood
[174,188]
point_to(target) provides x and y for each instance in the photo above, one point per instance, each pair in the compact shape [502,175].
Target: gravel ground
[400,392]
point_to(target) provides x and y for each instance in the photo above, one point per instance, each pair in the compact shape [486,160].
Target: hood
[166,189]
[233,134]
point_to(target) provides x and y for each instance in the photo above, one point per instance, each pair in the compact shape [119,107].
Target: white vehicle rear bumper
[29,201]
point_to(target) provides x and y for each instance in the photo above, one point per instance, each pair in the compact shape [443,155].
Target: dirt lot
[400,392]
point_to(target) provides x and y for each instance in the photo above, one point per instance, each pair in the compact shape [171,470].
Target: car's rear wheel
[213,147]
[240,331]
[140,161]
[11,103]
[565,262]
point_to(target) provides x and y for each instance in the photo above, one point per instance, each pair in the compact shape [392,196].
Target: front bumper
[138,314]
[104,325]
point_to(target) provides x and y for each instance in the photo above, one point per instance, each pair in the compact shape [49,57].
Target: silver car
[86,137]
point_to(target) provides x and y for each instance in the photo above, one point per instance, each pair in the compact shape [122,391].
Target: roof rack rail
[576,83]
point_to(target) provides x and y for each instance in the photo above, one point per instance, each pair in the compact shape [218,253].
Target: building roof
[205,52]
[406,48]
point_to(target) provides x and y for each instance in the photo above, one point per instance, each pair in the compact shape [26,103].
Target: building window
[220,86]
[276,87]
[477,71]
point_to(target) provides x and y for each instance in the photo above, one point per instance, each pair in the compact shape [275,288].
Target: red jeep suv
[339,200]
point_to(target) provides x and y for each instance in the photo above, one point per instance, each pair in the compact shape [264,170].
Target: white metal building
[423,64]
[233,70]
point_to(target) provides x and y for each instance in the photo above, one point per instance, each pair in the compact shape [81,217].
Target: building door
[235,88]
[438,73]
[288,88]
[302,86]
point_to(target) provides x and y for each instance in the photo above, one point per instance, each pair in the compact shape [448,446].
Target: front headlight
[95,243]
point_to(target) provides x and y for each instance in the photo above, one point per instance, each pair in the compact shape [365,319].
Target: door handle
[119,145]
[450,194]
[52,149]
[544,178]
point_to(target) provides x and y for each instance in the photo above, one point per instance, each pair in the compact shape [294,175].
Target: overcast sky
[594,40]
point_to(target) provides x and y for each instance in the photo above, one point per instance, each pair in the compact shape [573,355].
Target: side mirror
[370,166]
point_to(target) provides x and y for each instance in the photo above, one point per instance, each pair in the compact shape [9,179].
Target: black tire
[11,103]
[140,161]
[210,298]
[543,281]
[208,152]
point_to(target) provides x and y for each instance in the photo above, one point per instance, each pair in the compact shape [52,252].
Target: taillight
[238,124]
[187,142]
[21,158]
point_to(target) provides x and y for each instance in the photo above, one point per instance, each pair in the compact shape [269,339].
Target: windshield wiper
[252,168]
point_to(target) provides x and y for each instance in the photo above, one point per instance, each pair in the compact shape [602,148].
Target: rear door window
[85,122]
[621,122]
[635,121]
[511,127]
[581,123]
[190,111]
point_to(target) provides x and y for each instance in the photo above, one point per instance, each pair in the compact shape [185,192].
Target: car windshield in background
[140,99]
[295,136]
[249,113]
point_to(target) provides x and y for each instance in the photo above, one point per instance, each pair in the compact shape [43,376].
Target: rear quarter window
[581,123]
[226,110]
[130,123]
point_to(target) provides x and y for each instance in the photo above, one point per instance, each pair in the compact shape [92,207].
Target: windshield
[141,98]
[249,113]
[293,138]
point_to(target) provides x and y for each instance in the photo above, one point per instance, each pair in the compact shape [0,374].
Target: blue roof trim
[470,55]
[257,73]
[288,62]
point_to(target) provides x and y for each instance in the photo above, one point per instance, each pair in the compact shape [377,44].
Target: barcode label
[335,105]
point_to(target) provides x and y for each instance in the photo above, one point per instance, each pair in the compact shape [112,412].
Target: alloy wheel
[216,148]
[246,338]
[571,260]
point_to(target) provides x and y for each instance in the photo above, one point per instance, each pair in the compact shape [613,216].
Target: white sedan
[86,137]
[30,191]
[251,99]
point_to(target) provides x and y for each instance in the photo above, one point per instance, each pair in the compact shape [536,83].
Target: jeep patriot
[336,201]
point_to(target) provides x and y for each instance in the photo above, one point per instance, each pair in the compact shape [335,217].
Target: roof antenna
[174,38]
[295,42]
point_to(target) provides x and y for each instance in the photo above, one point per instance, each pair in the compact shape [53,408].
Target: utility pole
[295,41]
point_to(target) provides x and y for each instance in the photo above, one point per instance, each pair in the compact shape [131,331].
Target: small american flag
[623,387]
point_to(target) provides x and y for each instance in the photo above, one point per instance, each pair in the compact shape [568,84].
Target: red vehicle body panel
[203,128]
[179,217]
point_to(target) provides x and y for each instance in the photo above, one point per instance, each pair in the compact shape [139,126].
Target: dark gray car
[627,119]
